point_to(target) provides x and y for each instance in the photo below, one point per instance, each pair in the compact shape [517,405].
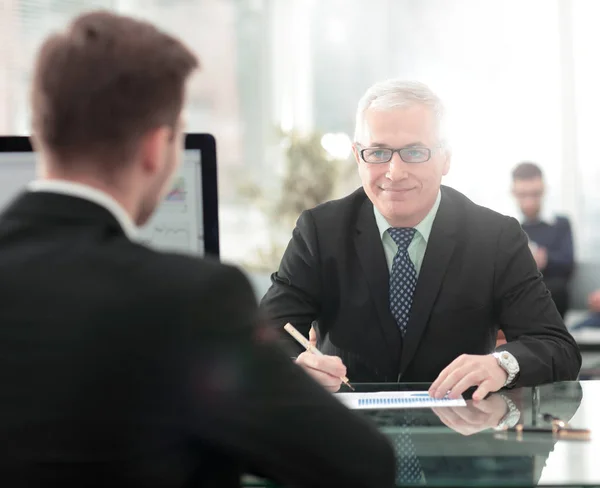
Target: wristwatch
[512,416]
[509,364]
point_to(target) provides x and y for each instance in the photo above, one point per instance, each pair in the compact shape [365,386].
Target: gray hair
[396,94]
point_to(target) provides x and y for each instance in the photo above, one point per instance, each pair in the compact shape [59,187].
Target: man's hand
[467,371]
[594,301]
[477,416]
[327,370]
[540,254]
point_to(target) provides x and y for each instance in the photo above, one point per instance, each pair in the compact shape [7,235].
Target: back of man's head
[102,84]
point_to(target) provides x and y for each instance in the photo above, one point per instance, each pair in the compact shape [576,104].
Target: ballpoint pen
[309,347]
[559,428]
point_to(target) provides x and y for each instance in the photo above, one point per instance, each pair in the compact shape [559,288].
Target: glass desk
[459,446]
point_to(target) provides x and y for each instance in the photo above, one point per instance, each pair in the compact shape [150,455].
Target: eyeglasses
[522,195]
[380,155]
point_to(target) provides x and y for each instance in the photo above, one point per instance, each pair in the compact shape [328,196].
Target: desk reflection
[458,445]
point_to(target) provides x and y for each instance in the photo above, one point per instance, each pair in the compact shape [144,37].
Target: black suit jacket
[121,366]
[477,275]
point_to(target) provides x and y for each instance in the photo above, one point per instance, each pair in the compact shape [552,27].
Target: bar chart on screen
[175,225]
[176,200]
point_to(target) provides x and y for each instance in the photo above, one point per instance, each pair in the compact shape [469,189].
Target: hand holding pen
[329,371]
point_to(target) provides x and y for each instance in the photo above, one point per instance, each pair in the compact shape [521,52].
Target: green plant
[310,176]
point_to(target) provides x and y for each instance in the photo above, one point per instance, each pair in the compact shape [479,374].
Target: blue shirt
[555,235]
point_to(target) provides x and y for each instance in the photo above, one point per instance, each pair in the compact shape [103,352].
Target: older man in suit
[122,366]
[408,280]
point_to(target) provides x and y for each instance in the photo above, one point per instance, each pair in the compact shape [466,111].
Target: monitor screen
[185,221]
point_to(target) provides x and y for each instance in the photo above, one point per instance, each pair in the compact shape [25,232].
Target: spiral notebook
[396,399]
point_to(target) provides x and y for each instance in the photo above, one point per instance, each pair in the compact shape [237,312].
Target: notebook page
[396,399]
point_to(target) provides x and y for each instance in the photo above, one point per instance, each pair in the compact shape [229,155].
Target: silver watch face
[512,418]
[508,362]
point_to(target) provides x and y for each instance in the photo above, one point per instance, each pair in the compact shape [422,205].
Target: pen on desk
[566,433]
[309,347]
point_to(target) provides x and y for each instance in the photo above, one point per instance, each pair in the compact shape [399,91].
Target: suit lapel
[372,259]
[440,247]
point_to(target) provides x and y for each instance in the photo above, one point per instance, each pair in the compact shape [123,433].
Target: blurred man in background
[550,237]
[122,366]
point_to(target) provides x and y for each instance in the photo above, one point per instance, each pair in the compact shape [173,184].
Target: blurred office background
[281,79]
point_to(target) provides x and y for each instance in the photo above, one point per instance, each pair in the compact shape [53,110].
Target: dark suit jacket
[477,275]
[121,366]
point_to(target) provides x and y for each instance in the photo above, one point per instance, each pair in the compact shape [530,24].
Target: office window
[278,75]
[23,26]
[583,164]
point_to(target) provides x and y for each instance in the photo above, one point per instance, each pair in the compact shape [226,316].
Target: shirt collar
[79,190]
[546,216]
[423,227]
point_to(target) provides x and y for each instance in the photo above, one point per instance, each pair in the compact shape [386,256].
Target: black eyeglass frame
[392,151]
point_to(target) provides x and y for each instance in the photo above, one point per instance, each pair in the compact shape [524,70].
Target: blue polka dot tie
[408,467]
[400,424]
[403,278]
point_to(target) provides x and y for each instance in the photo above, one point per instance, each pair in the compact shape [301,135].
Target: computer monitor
[186,221]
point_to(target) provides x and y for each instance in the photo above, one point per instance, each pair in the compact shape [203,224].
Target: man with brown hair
[121,366]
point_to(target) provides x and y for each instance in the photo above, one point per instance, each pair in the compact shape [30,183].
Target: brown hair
[104,83]
[526,171]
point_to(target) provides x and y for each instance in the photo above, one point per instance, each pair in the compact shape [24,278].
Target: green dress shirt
[418,245]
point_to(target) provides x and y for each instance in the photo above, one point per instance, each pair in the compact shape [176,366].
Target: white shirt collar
[79,190]
[546,216]
[423,228]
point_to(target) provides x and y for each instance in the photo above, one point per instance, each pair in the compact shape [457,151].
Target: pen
[556,431]
[309,347]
